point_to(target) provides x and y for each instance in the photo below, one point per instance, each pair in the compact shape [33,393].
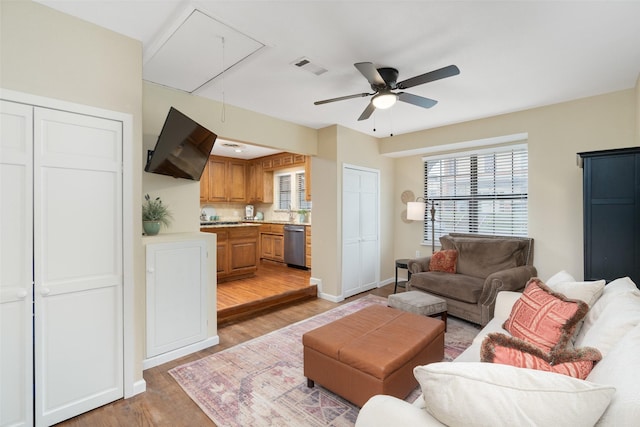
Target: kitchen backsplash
[234,212]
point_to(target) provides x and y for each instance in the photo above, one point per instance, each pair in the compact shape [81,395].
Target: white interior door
[360,230]
[77,263]
[16,263]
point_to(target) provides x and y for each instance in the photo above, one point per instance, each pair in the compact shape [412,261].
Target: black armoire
[611,191]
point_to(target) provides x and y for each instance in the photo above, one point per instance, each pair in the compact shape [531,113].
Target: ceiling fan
[384,80]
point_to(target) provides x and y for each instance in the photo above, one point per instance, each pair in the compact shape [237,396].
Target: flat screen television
[182,149]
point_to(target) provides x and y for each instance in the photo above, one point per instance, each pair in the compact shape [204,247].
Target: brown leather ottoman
[372,351]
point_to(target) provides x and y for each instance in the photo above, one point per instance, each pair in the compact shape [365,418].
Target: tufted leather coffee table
[372,351]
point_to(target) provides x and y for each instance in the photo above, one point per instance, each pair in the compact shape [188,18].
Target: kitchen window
[289,195]
[484,192]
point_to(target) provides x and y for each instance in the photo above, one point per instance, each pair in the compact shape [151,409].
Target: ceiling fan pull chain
[223,112]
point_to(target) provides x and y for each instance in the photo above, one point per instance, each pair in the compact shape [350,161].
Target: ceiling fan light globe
[384,100]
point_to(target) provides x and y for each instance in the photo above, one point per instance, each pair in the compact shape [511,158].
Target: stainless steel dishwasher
[294,245]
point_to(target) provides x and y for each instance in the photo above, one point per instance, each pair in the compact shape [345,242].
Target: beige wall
[325,232]
[50,54]
[555,134]
[338,146]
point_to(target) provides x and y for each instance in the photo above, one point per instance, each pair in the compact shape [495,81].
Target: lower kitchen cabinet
[307,231]
[272,242]
[272,247]
[237,251]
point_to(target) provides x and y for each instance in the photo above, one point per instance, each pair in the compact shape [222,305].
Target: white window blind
[300,190]
[484,193]
[284,191]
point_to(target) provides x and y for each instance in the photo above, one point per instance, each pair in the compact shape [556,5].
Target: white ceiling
[512,55]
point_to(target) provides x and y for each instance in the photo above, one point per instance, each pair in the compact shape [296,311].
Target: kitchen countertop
[267,221]
[248,223]
[227,225]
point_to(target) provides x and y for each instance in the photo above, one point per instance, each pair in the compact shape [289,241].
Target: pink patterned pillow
[500,348]
[444,261]
[544,318]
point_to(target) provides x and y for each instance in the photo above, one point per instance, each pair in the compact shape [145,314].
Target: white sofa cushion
[616,319]
[560,277]
[588,292]
[483,394]
[621,368]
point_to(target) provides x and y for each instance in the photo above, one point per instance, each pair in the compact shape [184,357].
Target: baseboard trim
[331,298]
[138,387]
[183,351]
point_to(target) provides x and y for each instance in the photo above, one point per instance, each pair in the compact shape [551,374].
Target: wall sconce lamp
[416,211]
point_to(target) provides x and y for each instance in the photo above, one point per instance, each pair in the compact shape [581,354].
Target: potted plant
[154,214]
[302,215]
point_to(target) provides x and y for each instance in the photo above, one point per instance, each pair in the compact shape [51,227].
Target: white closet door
[78,263]
[360,230]
[16,261]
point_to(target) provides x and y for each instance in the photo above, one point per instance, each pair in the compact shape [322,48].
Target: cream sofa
[468,392]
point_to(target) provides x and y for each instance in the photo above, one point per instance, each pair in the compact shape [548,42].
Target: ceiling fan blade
[371,73]
[420,101]
[342,98]
[367,112]
[441,73]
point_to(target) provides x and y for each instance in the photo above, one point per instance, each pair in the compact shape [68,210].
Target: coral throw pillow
[544,318]
[500,348]
[444,261]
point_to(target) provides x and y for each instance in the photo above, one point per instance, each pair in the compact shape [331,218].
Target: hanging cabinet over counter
[230,180]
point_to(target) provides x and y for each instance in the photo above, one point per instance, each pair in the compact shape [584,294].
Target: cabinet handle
[22,293]
[45,291]
[150,270]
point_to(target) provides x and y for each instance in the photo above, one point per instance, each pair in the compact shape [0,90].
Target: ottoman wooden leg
[310,383]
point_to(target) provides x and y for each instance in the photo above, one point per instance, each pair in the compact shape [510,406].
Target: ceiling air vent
[306,64]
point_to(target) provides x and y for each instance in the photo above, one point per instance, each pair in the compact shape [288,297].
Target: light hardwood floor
[274,284]
[165,403]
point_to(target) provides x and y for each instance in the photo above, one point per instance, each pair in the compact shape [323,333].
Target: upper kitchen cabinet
[229,180]
[259,184]
[224,180]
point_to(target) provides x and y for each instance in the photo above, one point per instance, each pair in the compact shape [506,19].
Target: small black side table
[401,263]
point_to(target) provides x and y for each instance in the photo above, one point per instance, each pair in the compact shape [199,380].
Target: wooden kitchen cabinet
[272,242]
[237,255]
[307,231]
[236,187]
[224,180]
[272,247]
[282,160]
[259,184]
[204,184]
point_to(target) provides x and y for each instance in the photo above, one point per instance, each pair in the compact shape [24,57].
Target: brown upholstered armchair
[485,266]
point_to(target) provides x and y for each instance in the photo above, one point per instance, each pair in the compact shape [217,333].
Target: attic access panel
[191,53]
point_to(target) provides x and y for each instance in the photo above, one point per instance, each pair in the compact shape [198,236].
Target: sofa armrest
[418,265]
[513,279]
[384,411]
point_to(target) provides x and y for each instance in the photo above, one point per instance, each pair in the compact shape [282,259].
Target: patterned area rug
[261,382]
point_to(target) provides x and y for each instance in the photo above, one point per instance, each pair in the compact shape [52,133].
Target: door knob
[21,293]
[45,291]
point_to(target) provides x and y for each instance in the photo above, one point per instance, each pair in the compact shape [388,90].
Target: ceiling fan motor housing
[389,75]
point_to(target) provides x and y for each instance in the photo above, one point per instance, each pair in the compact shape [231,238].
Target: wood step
[251,308]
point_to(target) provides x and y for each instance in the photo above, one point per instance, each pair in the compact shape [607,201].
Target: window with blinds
[291,196]
[301,190]
[284,192]
[484,192]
